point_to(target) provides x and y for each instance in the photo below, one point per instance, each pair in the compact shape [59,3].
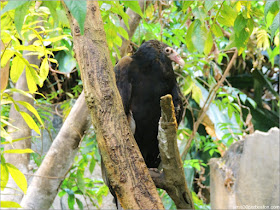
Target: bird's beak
[177,58]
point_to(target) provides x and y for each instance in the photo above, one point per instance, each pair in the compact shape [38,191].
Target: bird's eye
[168,50]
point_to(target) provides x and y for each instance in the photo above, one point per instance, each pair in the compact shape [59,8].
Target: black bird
[142,79]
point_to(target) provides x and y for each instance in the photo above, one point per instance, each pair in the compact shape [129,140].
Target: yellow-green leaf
[44,70]
[196,94]
[30,122]
[4,175]
[31,109]
[208,43]
[19,151]
[18,177]
[10,204]
[31,83]
[262,39]
[17,68]
[57,38]
[6,57]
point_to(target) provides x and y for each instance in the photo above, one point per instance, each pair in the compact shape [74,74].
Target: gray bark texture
[248,174]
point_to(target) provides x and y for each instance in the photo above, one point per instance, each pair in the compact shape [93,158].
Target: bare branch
[174,178]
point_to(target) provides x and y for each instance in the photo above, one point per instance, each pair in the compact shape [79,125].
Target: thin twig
[207,104]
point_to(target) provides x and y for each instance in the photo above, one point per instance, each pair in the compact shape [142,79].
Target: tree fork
[125,166]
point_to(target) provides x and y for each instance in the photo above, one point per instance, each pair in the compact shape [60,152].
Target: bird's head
[154,49]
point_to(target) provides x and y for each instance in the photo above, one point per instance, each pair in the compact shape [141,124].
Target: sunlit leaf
[208,43]
[17,68]
[18,177]
[6,57]
[10,204]
[19,151]
[216,30]
[30,122]
[4,175]
[44,70]
[134,5]
[262,39]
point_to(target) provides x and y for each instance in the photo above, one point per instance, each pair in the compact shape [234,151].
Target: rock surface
[248,174]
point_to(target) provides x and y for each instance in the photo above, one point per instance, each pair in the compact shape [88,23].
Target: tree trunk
[126,169]
[48,190]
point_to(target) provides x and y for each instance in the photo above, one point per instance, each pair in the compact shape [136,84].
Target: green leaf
[10,204]
[44,70]
[80,204]
[270,6]
[239,23]
[71,201]
[216,30]
[199,36]
[242,97]
[4,175]
[123,32]
[196,94]
[92,164]
[209,4]
[17,68]
[13,5]
[208,44]
[19,151]
[227,16]
[80,181]
[52,5]
[78,9]
[18,177]
[134,6]
[275,25]
[30,122]
[20,15]
[6,57]
[252,102]
[186,5]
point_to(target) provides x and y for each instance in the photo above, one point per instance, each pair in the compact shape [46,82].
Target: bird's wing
[123,84]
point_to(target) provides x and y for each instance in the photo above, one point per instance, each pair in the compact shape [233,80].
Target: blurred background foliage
[205,33]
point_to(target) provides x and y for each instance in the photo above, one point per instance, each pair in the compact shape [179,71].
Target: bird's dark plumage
[142,79]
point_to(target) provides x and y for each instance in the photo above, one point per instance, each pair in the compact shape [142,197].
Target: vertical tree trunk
[125,166]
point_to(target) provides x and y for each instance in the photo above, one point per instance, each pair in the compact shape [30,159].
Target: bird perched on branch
[141,80]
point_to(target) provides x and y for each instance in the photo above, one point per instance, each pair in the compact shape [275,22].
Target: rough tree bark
[58,161]
[44,185]
[126,169]
[172,179]
[20,161]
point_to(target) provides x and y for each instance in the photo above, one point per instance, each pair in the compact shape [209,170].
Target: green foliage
[203,32]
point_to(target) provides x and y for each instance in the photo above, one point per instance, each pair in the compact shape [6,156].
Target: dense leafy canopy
[205,33]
